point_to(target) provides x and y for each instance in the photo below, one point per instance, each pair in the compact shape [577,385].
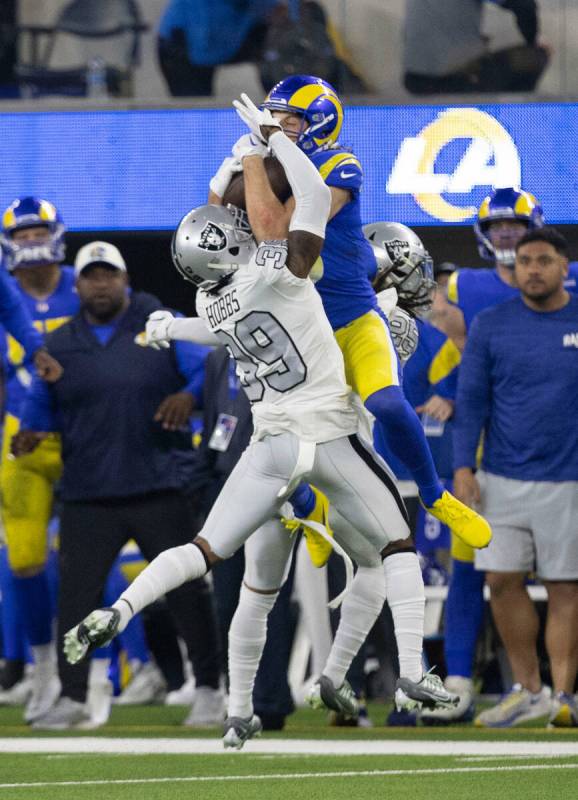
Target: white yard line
[378,773]
[309,747]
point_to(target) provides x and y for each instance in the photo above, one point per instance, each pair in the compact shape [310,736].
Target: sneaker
[429,692]
[95,630]
[183,696]
[518,705]
[44,695]
[19,692]
[319,549]
[467,524]
[463,712]
[323,694]
[563,711]
[208,708]
[64,714]
[147,686]
[237,730]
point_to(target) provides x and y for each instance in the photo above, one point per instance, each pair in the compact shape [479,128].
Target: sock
[44,656]
[247,636]
[33,597]
[312,593]
[404,435]
[99,668]
[359,611]
[303,500]
[405,595]
[133,639]
[13,637]
[463,617]
[167,571]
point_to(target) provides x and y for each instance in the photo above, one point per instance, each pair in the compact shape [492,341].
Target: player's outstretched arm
[163,327]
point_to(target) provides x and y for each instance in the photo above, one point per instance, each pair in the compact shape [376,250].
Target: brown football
[235,193]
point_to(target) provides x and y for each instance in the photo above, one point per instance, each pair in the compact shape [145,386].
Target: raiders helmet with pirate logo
[402,263]
[210,243]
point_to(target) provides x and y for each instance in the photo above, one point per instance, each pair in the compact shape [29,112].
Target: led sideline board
[424,165]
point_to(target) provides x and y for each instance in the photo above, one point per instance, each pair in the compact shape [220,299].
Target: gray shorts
[535,527]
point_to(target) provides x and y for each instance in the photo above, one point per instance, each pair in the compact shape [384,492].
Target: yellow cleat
[468,525]
[319,549]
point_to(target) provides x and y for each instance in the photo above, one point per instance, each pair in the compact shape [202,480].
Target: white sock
[359,611]
[44,656]
[405,595]
[311,589]
[99,670]
[167,571]
[247,636]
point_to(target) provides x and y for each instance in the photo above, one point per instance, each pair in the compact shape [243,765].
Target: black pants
[91,536]
[185,79]
[513,69]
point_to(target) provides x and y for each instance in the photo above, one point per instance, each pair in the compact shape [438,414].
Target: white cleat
[95,630]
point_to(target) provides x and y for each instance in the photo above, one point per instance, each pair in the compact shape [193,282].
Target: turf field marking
[374,773]
[325,747]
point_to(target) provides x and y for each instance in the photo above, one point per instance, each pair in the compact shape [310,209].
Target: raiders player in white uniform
[259,301]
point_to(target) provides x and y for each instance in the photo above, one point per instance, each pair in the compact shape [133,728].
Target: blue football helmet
[30,212]
[508,203]
[317,102]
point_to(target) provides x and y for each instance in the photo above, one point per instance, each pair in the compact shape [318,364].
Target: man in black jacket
[123,412]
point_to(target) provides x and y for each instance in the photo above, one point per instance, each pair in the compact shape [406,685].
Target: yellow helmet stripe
[47,212]
[452,287]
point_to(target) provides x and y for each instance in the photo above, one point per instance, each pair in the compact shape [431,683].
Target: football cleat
[518,705]
[236,731]
[463,712]
[323,694]
[467,524]
[95,630]
[429,692]
[319,549]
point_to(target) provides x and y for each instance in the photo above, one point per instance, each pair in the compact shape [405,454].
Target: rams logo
[212,238]
[490,159]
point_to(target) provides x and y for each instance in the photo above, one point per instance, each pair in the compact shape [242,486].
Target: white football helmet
[212,242]
[402,263]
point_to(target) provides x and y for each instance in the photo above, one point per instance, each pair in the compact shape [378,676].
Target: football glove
[222,178]
[248,145]
[157,330]
[254,118]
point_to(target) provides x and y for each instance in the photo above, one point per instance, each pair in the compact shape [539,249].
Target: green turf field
[307,760]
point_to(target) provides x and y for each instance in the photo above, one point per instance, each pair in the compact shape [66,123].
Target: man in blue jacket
[519,384]
[123,412]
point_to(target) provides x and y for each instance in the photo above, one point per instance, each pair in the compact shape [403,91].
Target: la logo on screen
[491,159]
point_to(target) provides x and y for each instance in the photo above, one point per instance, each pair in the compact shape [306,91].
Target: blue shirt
[472,290]
[519,383]
[348,260]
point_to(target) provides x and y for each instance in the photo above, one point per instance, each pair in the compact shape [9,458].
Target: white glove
[222,178]
[254,118]
[157,330]
[248,145]
[404,333]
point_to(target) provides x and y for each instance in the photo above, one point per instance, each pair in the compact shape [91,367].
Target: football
[235,193]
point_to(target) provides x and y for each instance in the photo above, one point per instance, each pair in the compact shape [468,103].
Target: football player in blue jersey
[311,114]
[32,242]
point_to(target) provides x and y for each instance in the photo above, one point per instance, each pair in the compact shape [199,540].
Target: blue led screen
[423,165]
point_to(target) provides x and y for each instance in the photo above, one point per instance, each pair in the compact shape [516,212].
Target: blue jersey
[432,369]
[47,315]
[473,290]
[348,260]
[519,383]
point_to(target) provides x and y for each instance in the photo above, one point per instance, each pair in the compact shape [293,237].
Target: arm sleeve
[192,329]
[526,13]
[443,370]
[312,196]
[473,398]
[191,364]
[15,318]
[39,408]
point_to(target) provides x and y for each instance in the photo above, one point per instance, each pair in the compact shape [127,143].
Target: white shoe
[208,708]
[64,714]
[463,712]
[146,687]
[516,706]
[45,693]
[98,704]
[183,696]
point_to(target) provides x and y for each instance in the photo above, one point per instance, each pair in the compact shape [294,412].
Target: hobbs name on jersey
[223,308]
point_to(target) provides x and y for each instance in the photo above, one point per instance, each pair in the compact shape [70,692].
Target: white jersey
[287,359]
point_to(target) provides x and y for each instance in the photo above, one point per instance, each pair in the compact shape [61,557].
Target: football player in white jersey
[255,296]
